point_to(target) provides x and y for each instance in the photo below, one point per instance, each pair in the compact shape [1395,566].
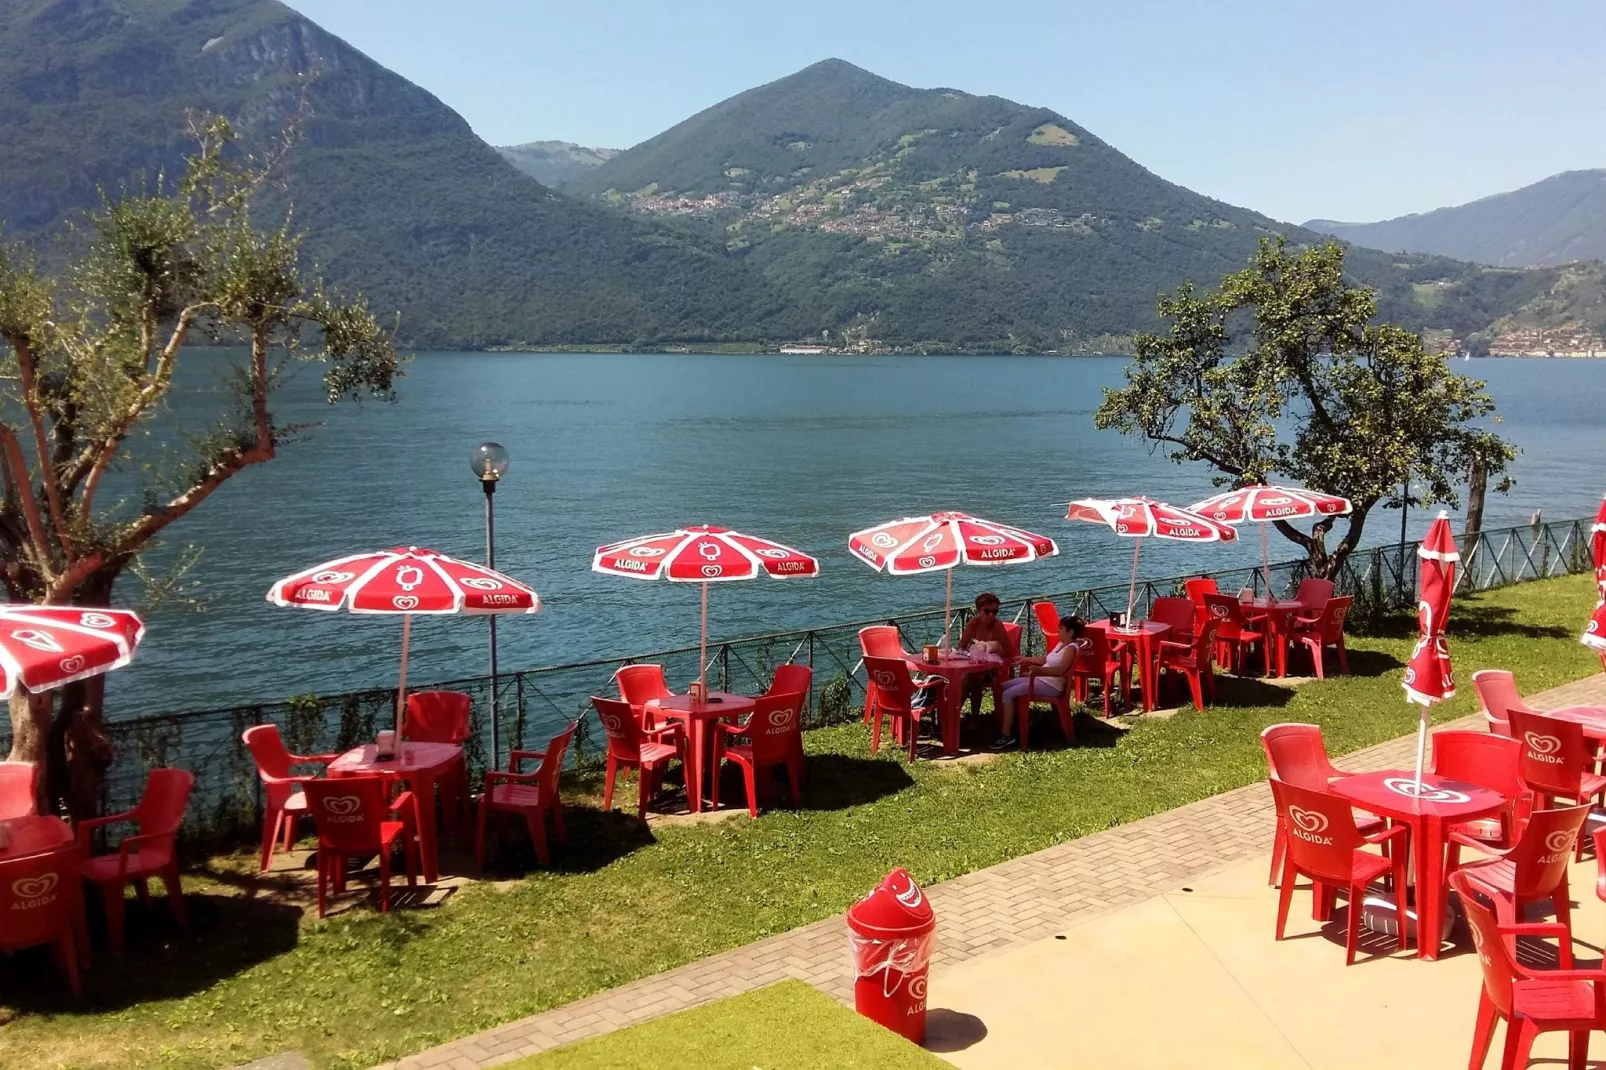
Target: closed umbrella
[1144,518]
[1595,632]
[702,555]
[406,580]
[935,542]
[43,647]
[1265,505]
[1427,678]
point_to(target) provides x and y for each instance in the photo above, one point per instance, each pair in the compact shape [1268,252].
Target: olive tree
[88,355]
[1281,375]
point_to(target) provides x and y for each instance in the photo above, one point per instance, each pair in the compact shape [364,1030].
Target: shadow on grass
[1248,691]
[226,935]
[1467,619]
[840,781]
[1370,662]
[596,838]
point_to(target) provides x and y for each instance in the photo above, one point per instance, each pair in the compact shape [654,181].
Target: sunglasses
[989,609]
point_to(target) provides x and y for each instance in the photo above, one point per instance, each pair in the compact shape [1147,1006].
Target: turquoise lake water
[800,449]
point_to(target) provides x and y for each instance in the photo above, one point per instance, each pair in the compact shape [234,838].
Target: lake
[804,450]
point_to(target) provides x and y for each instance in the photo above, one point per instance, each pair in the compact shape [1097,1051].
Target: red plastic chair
[1235,636]
[1530,1002]
[281,797]
[1492,762]
[790,680]
[1297,754]
[1313,595]
[1325,845]
[1535,869]
[1497,693]
[1194,659]
[1097,660]
[895,690]
[39,902]
[1011,655]
[1048,622]
[640,685]
[1060,704]
[774,734]
[630,746]
[878,641]
[443,717]
[533,795]
[1180,613]
[1197,588]
[1323,631]
[352,818]
[19,782]
[1557,761]
[151,852]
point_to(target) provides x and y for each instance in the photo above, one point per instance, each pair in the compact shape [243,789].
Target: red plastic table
[32,835]
[1392,793]
[1142,640]
[1278,615]
[953,668]
[695,716]
[419,766]
[1592,718]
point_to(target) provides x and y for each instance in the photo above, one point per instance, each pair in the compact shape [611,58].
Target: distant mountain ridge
[1556,220]
[399,198]
[932,214]
[552,163]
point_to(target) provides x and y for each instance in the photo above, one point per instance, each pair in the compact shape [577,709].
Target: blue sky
[1353,111]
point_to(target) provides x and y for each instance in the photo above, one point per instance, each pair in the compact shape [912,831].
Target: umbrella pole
[702,646]
[1132,590]
[1265,560]
[1421,746]
[947,607]
[401,687]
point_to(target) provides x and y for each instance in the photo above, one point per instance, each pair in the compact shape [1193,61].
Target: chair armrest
[500,776]
[89,825]
[1397,832]
[312,759]
[532,754]
[406,804]
[1565,938]
[735,729]
[1464,840]
[671,729]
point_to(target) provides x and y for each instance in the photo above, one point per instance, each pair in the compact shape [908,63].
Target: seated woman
[987,630]
[1049,682]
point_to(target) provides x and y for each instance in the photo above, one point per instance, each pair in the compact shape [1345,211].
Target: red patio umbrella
[702,555]
[42,647]
[1144,518]
[1264,504]
[1427,677]
[914,545]
[1595,631]
[405,580]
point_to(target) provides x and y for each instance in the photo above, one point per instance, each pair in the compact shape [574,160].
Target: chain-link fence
[534,704]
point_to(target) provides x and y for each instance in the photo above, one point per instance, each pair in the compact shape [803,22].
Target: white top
[1057,658]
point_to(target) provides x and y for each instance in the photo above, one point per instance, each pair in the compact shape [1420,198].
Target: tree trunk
[80,751]
[30,736]
[1477,490]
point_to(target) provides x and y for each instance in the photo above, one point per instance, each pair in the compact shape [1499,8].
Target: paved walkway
[1004,906]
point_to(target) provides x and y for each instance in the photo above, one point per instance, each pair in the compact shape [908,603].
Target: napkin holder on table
[385,744]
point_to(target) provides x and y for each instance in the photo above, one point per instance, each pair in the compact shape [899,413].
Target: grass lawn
[787,1026]
[253,976]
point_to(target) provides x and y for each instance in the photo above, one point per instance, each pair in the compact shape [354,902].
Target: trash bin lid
[895,906]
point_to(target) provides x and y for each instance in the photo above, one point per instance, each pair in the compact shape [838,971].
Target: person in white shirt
[1049,682]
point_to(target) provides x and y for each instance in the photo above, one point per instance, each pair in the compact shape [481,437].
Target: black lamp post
[488,462]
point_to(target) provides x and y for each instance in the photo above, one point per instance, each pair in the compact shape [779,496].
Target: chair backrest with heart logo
[17,782]
[1331,624]
[1228,613]
[894,684]
[437,717]
[1499,969]
[36,896]
[791,679]
[347,811]
[881,641]
[1497,694]
[623,729]
[1297,754]
[1555,755]
[546,778]
[1546,846]
[776,727]
[1322,837]
[1493,762]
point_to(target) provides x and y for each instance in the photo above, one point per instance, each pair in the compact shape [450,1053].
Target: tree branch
[47,469]
[30,504]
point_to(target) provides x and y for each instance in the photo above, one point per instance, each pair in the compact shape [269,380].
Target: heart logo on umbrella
[712,570]
[405,602]
[1309,820]
[72,665]
[342,805]
[97,620]
[34,887]
[1542,744]
[481,583]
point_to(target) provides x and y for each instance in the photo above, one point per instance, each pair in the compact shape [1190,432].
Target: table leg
[425,794]
[694,786]
[1146,680]
[1430,899]
[953,699]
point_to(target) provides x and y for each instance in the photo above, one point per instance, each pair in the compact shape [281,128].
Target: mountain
[934,215]
[398,197]
[552,163]
[1556,220]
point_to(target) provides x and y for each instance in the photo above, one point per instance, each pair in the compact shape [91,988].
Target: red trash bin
[892,932]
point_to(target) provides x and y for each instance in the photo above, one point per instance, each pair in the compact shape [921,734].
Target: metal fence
[536,703]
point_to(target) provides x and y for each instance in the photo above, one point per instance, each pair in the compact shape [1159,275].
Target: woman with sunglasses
[986,631]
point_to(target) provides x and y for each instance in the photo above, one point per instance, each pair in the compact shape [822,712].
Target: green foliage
[1282,373]
[252,977]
